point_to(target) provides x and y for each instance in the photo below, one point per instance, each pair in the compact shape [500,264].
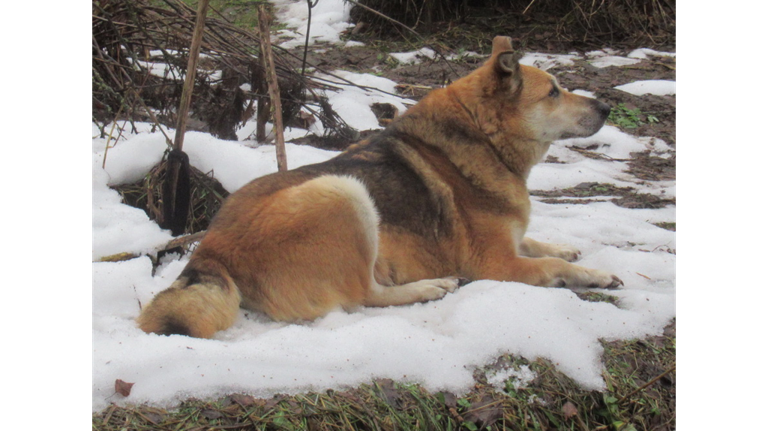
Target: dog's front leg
[532,248]
[502,263]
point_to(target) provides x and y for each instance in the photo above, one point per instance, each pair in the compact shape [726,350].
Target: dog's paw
[604,280]
[586,277]
[615,283]
[566,252]
[437,288]
[449,284]
[431,293]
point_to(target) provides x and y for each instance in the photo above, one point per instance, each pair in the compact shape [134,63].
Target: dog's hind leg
[418,291]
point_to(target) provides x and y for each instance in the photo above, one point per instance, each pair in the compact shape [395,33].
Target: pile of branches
[140,50]
[589,21]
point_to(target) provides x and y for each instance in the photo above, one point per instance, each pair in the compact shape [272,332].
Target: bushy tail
[196,305]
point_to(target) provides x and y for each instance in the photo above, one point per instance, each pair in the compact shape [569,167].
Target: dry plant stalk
[189,79]
[274,89]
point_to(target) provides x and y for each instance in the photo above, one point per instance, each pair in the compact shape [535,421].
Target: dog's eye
[554,92]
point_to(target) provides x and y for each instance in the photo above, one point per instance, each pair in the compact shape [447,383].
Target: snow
[547,61]
[329,19]
[437,344]
[657,87]
[353,103]
[413,57]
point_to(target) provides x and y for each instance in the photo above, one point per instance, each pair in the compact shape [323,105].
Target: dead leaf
[484,412]
[243,400]
[391,395]
[123,388]
[211,414]
[569,410]
[450,399]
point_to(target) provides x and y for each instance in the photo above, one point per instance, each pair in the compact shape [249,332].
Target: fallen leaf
[450,399]
[391,395]
[211,414]
[123,388]
[243,400]
[484,413]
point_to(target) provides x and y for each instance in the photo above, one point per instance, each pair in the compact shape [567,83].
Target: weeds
[625,118]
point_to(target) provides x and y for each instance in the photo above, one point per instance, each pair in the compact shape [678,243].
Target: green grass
[598,297]
[627,118]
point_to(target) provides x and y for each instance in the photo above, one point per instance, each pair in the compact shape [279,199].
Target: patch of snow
[657,87]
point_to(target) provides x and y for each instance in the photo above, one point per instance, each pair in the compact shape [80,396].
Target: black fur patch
[194,276]
[173,326]
[399,192]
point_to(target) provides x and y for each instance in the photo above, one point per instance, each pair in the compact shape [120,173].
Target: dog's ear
[507,67]
[509,62]
[501,44]
[506,62]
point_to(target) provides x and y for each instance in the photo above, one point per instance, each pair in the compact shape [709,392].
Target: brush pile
[140,53]
[140,50]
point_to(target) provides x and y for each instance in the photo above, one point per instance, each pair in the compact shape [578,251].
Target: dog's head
[532,102]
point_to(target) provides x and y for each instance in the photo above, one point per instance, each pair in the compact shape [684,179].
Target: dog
[438,196]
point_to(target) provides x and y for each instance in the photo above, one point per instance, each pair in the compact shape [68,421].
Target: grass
[667,225]
[598,297]
[626,118]
[640,395]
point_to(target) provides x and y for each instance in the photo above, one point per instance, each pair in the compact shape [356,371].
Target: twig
[310,5]
[109,138]
[650,382]
[528,7]
[183,241]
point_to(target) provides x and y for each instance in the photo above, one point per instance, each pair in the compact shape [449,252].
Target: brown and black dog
[396,219]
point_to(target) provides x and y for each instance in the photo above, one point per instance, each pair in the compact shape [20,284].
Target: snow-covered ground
[436,344]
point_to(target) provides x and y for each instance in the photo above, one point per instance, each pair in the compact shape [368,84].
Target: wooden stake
[274,89]
[189,79]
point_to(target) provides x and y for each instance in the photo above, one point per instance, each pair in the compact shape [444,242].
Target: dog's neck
[520,157]
[490,148]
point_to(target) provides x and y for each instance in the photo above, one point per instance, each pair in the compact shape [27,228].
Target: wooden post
[274,89]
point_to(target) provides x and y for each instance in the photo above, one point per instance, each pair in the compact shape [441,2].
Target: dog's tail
[199,303]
